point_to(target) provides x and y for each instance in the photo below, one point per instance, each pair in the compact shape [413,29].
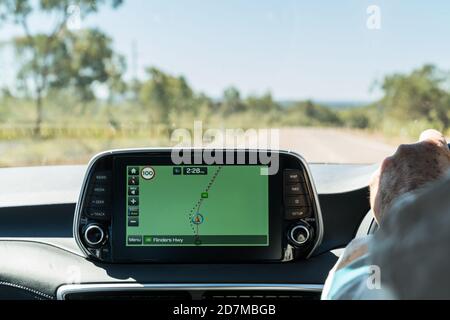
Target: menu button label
[137,240]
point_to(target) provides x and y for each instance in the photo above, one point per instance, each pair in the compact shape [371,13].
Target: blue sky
[296,49]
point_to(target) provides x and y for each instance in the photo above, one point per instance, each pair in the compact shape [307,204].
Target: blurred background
[343,81]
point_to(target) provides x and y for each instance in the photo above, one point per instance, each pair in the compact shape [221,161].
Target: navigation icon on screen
[133,211]
[133,181]
[148,173]
[198,219]
[133,201]
[133,191]
[133,171]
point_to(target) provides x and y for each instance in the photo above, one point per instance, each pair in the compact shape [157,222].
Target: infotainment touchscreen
[194,206]
[141,206]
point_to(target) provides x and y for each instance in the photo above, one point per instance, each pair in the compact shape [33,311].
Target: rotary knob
[94,236]
[300,234]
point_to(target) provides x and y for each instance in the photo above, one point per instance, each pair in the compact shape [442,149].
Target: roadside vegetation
[54,114]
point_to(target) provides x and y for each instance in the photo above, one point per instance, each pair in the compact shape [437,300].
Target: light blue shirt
[359,280]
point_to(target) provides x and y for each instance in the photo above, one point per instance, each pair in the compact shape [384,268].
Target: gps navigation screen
[197,206]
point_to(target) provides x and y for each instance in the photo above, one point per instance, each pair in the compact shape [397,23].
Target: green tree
[357,117]
[163,93]
[422,94]
[263,103]
[58,58]
[319,115]
[232,102]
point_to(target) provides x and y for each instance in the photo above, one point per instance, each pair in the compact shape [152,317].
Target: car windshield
[336,81]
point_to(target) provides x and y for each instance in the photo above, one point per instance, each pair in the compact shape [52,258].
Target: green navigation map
[197,206]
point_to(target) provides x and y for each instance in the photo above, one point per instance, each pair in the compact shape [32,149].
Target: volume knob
[300,234]
[94,235]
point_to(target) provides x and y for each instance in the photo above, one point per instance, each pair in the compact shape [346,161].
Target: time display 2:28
[190,171]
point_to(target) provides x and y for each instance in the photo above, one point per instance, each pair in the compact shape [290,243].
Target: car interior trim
[64,290]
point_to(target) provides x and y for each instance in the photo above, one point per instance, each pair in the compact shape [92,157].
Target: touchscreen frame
[124,253]
[279,250]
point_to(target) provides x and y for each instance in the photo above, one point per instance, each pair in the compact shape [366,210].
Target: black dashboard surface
[38,253]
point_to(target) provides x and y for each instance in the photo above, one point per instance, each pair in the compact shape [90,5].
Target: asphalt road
[334,145]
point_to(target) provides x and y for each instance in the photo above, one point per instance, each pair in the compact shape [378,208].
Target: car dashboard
[40,258]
